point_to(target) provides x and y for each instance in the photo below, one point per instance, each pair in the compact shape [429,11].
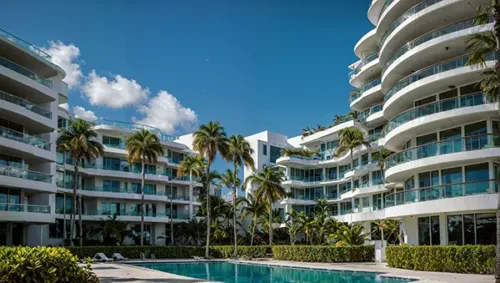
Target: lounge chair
[119,257]
[198,258]
[153,257]
[142,256]
[101,257]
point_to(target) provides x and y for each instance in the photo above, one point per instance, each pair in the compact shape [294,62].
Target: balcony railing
[469,143]
[427,37]
[25,103]
[25,208]
[364,88]
[134,127]
[25,72]
[178,215]
[366,61]
[21,173]
[106,212]
[442,67]
[24,44]
[307,179]
[24,138]
[406,15]
[444,191]
[468,100]
[387,4]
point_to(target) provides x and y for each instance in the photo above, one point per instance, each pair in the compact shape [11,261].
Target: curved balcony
[25,104]
[120,126]
[402,165]
[129,216]
[120,172]
[365,71]
[367,95]
[25,72]
[368,43]
[25,146]
[26,213]
[373,115]
[423,82]
[478,195]
[375,10]
[364,62]
[19,177]
[442,113]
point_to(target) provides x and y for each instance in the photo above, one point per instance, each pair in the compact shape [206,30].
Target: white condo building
[36,181]
[417,98]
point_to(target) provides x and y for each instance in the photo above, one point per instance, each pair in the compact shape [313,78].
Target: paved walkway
[117,272]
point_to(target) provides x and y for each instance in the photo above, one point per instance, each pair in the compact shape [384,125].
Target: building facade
[417,98]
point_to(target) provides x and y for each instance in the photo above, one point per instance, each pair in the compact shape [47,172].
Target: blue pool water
[230,272]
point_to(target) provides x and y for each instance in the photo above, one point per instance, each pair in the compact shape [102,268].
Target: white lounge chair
[119,257]
[153,257]
[142,256]
[101,257]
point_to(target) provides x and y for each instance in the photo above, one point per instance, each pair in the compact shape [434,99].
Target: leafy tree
[381,157]
[79,141]
[269,189]
[209,140]
[350,139]
[307,132]
[254,208]
[351,235]
[143,146]
[114,229]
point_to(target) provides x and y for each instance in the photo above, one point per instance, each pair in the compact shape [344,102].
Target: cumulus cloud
[115,93]
[165,112]
[66,57]
[81,113]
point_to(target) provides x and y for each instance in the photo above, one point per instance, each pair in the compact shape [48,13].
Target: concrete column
[443,229]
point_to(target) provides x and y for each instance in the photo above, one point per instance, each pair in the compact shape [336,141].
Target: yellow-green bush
[42,264]
[325,253]
[170,251]
[458,259]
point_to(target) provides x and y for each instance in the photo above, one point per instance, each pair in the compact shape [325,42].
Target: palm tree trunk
[171,215]
[80,219]
[234,213]
[73,205]
[254,223]
[143,176]
[270,222]
[207,244]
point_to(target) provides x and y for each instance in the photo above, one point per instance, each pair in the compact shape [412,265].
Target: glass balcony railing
[427,37]
[134,127]
[120,145]
[370,58]
[469,143]
[25,208]
[25,72]
[375,136]
[178,215]
[387,4]
[106,212]
[468,100]
[406,15]
[307,179]
[25,104]
[24,44]
[445,66]
[21,173]
[355,95]
[442,192]
[175,160]
[24,138]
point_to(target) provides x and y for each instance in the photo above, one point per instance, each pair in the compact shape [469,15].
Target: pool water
[231,272]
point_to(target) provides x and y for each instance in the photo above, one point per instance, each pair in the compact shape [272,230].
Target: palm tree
[307,132]
[114,228]
[354,115]
[240,153]
[480,46]
[294,228]
[350,139]
[319,128]
[79,141]
[381,156]
[210,139]
[254,208]
[351,235]
[266,220]
[338,119]
[268,188]
[143,146]
[190,165]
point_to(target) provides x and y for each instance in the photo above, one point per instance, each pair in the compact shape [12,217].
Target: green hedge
[325,253]
[42,264]
[170,251]
[458,259]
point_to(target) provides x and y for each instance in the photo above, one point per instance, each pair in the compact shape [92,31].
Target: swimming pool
[232,272]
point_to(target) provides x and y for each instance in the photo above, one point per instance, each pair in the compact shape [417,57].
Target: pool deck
[118,272]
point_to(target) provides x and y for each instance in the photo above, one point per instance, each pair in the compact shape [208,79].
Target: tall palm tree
[143,146]
[209,140]
[350,139]
[381,156]
[79,141]
[191,166]
[479,47]
[240,154]
[268,188]
[251,207]
[230,180]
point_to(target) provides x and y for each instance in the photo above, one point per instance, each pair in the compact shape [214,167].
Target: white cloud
[165,112]
[66,57]
[81,113]
[115,93]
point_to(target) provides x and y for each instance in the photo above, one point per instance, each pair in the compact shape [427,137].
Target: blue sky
[252,65]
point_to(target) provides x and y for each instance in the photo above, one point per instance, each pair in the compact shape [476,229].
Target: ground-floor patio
[118,272]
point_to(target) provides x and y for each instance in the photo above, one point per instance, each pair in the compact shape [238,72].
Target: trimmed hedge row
[170,251]
[42,264]
[457,259]
[324,253]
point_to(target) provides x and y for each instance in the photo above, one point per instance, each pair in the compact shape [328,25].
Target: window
[334,210]
[332,192]
[264,149]
[428,231]
[424,101]
[112,142]
[476,138]
[377,178]
[428,179]
[378,201]
[345,208]
[477,177]
[450,141]
[148,188]
[356,205]
[110,208]
[366,203]
[56,230]
[364,159]
[275,153]
[452,179]
[111,186]
[365,181]
[470,229]
[472,88]
[430,149]
[60,158]
[61,122]
[332,173]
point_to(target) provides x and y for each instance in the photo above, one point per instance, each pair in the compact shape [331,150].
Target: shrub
[325,253]
[458,259]
[170,251]
[42,264]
